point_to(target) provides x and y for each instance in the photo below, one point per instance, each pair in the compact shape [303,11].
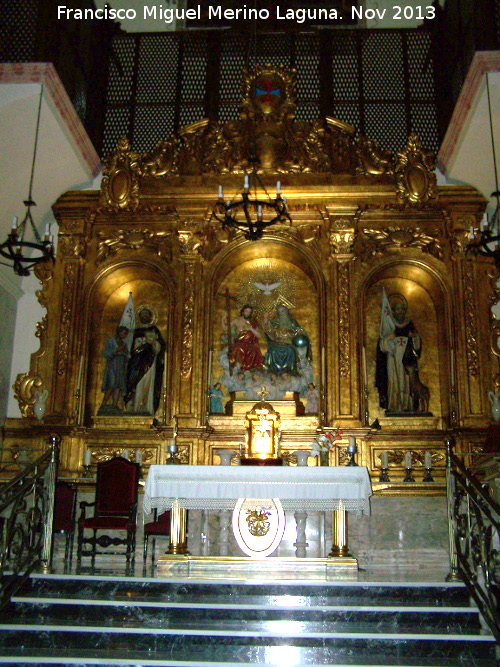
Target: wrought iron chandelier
[488,241]
[22,254]
[254,210]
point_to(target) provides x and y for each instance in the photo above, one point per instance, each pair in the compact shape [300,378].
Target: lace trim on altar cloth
[358,506]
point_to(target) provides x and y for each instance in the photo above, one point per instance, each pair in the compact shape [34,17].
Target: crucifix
[263,393]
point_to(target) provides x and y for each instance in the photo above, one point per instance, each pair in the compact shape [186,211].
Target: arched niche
[265,274]
[428,308]
[106,302]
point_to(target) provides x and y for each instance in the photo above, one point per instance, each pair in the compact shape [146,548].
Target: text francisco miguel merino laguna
[298,14]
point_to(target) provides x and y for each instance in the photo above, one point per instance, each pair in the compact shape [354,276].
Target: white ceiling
[466,154]
[65,157]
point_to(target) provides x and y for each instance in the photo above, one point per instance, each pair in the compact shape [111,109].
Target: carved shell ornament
[414,172]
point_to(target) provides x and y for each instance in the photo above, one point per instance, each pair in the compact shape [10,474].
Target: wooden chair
[64,517]
[160,526]
[115,506]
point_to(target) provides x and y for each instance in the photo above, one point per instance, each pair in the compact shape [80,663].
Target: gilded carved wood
[364,221]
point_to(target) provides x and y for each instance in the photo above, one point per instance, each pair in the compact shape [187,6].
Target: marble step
[139,647]
[259,620]
[68,620]
[278,595]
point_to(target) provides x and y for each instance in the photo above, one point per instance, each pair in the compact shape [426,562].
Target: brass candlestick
[384,475]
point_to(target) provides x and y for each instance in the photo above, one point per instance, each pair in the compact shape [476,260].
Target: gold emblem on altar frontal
[257,520]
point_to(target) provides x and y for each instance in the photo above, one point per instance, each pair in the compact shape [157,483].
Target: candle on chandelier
[47,232]
[408,460]
[484,222]
[220,191]
[259,212]
[278,187]
[246,182]
[14,222]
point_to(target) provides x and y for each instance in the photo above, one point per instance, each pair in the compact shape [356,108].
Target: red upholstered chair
[159,527]
[64,517]
[115,506]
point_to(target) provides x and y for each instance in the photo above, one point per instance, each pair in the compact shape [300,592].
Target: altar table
[300,489]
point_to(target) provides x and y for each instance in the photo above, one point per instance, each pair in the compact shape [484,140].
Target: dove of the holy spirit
[267,288]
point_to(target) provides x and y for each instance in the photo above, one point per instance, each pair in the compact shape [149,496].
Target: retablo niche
[262,425]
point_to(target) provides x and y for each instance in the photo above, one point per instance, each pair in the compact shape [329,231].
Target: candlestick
[86,463]
[351,450]
[408,476]
[428,467]
[408,460]
[172,449]
[384,467]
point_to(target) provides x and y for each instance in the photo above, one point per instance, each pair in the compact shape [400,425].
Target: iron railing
[474,533]
[26,519]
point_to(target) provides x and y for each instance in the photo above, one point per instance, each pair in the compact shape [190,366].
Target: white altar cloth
[298,488]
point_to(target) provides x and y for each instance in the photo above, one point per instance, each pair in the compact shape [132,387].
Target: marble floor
[391,572]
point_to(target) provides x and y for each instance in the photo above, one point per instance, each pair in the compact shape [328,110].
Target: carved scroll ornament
[114,241]
[24,392]
[370,242]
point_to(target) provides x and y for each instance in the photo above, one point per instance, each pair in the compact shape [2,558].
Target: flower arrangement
[324,442]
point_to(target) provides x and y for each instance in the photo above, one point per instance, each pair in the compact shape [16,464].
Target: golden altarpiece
[366,228]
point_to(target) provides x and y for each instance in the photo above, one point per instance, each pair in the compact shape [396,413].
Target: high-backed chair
[159,527]
[115,506]
[64,517]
